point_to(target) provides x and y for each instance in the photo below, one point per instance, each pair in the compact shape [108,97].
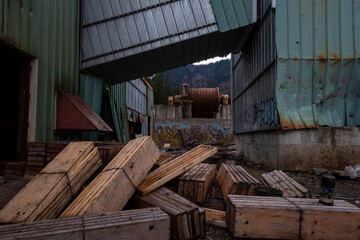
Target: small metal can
[327,189]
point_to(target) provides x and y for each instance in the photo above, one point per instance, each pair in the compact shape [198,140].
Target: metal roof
[232,14]
[123,40]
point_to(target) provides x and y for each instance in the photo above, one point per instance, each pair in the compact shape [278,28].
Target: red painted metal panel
[73,113]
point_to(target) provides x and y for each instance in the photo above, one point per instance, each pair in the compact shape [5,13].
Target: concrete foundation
[330,148]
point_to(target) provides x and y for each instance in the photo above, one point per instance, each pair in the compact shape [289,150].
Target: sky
[212,60]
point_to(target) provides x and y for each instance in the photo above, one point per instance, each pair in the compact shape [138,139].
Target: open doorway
[14,104]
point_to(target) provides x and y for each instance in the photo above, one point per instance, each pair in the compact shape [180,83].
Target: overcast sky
[212,60]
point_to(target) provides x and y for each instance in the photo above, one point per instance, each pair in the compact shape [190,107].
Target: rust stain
[321,57]
[287,124]
[335,56]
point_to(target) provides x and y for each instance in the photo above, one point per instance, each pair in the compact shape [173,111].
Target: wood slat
[215,217]
[233,179]
[195,184]
[187,219]
[150,223]
[282,181]
[48,193]
[175,168]
[114,186]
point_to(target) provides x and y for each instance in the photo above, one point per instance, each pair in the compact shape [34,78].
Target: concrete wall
[331,148]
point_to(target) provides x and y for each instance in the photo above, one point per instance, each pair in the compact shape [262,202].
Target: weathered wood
[187,219]
[233,179]
[150,223]
[114,186]
[282,181]
[291,218]
[215,217]
[163,159]
[262,217]
[175,168]
[199,179]
[341,221]
[53,188]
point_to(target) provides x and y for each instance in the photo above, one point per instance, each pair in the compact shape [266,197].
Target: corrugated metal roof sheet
[232,14]
[318,80]
[168,34]
[49,31]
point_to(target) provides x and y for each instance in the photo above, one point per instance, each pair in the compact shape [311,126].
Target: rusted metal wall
[318,66]
[49,31]
[299,68]
[254,76]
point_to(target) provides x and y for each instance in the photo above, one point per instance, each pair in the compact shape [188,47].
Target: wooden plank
[151,223]
[282,181]
[175,168]
[262,217]
[200,179]
[55,186]
[114,186]
[341,221]
[215,217]
[233,179]
[187,219]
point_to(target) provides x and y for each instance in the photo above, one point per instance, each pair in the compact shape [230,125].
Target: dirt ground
[346,189]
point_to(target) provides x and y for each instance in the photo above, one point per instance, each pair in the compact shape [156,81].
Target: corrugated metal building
[299,69]
[123,40]
[40,55]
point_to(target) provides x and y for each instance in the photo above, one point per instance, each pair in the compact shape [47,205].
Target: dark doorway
[14,103]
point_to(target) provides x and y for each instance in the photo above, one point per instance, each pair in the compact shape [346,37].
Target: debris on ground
[193,201]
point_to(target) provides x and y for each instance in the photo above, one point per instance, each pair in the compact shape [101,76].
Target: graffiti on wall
[209,132]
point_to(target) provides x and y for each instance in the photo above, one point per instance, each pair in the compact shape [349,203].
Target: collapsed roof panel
[123,40]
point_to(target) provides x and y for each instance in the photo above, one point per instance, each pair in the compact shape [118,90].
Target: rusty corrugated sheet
[49,31]
[318,80]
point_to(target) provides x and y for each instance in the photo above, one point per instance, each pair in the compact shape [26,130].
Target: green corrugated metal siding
[49,31]
[318,66]
[91,91]
[232,14]
[117,102]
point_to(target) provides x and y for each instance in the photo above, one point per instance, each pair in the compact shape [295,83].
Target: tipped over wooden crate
[53,188]
[150,223]
[195,184]
[234,180]
[113,187]
[282,181]
[187,219]
[175,168]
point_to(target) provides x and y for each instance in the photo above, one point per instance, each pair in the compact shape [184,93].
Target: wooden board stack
[114,186]
[195,184]
[53,188]
[108,150]
[282,181]
[318,221]
[175,168]
[233,179]
[164,158]
[215,217]
[262,217]
[187,219]
[39,154]
[291,218]
[150,223]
